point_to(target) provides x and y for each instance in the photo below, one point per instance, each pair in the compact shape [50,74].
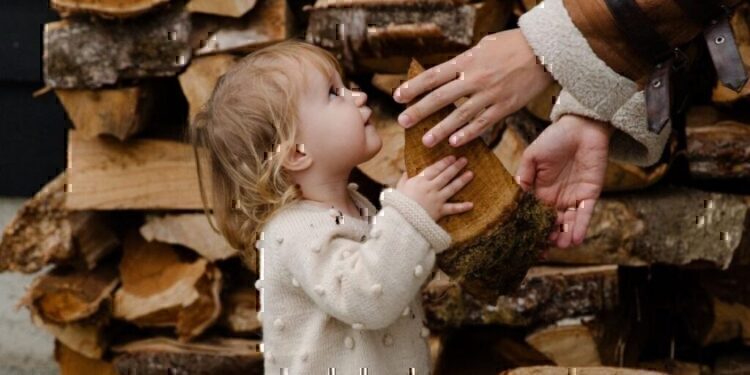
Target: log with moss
[498,240]
[161,355]
[106,8]
[383,35]
[91,53]
[551,370]
[669,225]
[547,295]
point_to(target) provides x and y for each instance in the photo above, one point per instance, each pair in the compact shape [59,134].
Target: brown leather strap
[725,54]
[658,96]
[638,31]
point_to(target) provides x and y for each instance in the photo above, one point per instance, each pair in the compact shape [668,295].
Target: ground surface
[24,348]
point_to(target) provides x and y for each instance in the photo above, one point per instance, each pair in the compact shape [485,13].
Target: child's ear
[298,160]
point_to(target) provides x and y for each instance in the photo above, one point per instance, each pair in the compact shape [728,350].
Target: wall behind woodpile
[32,151]
[33,141]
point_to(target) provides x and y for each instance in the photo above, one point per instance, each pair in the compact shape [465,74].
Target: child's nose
[360,97]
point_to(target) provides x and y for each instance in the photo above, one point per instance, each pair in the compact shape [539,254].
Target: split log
[269,22]
[105,8]
[719,150]
[674,367]
[66,294]
[160,289]
[550,370]
[567,343]
[547,295]
[487,350]
[670,225]
[496,242]
[71,362]
[436,344]
[387,83]
[227,8]
[740,24]
[735,362]
[87,338]
[120,112]
[200,77]
[81,53]
[384,35]
[240,311]
[136,174]
[44,232]
[189,230]
[159,355]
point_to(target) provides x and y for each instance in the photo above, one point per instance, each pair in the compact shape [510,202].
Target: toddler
[339,282]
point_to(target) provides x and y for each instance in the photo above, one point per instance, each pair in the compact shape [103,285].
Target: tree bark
[93,53]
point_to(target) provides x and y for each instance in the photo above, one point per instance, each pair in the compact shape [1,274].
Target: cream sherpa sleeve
[369,284]
[590,87]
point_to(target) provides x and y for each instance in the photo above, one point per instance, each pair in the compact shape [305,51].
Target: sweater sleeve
[369,284]
[590,87]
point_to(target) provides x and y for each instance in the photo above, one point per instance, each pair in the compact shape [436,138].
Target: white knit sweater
[341,292]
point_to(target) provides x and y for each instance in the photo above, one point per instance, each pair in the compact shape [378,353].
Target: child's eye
[333,91]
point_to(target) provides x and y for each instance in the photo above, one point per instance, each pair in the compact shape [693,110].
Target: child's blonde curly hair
[248,127]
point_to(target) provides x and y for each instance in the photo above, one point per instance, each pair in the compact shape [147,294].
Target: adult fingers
[557,228]
[427,80]
[566,235]
[457,118]
[434,101]
[526,172]
[433,170]
[489,117]
[583,216]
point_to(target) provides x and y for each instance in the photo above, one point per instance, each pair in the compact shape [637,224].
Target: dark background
[32,130]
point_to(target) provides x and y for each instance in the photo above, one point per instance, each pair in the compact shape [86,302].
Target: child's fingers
[449,173]
[433,170]
[456,185]
[402,180]
[455,208]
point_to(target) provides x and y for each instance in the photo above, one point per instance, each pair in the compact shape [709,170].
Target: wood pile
[132,278]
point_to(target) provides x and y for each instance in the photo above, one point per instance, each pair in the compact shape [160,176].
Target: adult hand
[566,166]
[500,74]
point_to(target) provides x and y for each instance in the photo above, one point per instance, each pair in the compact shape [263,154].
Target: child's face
[334,124]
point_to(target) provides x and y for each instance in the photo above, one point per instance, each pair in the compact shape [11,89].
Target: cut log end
[496,242]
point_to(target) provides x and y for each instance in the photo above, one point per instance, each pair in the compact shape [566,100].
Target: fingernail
[397,95]
[454,139]
[428,139]
[404,119]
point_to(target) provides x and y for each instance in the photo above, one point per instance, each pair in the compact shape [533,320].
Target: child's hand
[432,187]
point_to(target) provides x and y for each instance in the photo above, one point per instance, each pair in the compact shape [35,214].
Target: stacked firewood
[135,280]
